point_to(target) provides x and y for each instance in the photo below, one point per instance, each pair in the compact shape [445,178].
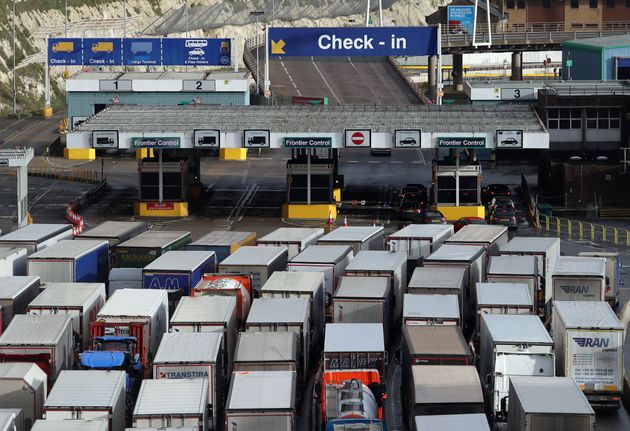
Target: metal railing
[577,229]
[250,60]
[415,87]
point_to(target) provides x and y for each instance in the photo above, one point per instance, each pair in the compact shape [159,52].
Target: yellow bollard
[592,232]
[547,223]
[569,226]
[615,235]
[581,227]
[603,233]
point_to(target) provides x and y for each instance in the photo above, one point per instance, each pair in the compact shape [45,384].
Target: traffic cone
[330,217]
[345,221]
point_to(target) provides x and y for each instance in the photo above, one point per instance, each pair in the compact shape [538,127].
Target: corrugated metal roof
[377,260]
[587,314]
[362,287]
[37,232]
[151,238]
[67,294]
[11,287]
[266,347]
[550,395]
[456,253]
[70,425]
[425,277]
[223,238]
[478,233]
[204,309]
[351,234]
[580,266]
[446,384]
[68,249]
[435,340]
[431,306]
[179,260]
[87,388]
[453,422]
[354,337]
[11,251]
[133,302]
[26,329]
[171,396]
[113,229]
[516,328]
[513,265]
[616,41]
[262,390]
[531,244]
[504,294]
[189,347]
[196,75]
[322,254]
[279,310]
[292,234]
[294,281]
[432,231]
[30,373]
[251,255]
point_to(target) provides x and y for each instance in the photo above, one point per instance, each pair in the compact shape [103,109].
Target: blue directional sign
[353,41]
[461,19]
[65,52]
[196,52]
[142,52]
[102,52]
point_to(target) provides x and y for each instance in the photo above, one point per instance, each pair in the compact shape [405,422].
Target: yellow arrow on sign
[276,47]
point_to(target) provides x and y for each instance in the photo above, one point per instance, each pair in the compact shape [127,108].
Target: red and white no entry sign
[358,138]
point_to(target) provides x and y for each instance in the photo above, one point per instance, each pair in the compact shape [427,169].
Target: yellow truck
[63,46]
[103,46]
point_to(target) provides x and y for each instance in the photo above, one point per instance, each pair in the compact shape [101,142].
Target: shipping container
[435,280]
[510,346]
[12,420]
[236,285]
[268,351]
[12,261]
[23,386]
[491,237]
[613,274]
[548,403]
[209,314]
[259,262]
[15,295]
[71,262]
[589,342]
[71,425]
[36,237]
[80,301]
[309,285]
[135,313]
[114,232]
[143,249]
[358,237]
[195,356]
[353,346]
[44,340]
[546,250]
[187,404]
[579,279]
[261,401]
[431,310]
[89,395]
[331,260]
[389,264]
[468,422]
[502,298]
[178,270]
[296,239]
[419,240]
[283,315]
[223,242]
[517,269]
[124,278]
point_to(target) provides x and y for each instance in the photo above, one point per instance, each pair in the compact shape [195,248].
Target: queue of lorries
[122,327]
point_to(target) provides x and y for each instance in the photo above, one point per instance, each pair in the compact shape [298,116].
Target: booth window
[509,4]
[520,4]
[610,4]
[593,4]
[546,4]
[575,4]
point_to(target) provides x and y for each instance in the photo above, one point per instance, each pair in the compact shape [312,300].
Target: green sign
[308,142]
[161,142]
[569,63]
[461,142]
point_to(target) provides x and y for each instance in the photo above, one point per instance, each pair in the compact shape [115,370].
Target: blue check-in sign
[196,52]
[65,52]
[102,52]
[353,41]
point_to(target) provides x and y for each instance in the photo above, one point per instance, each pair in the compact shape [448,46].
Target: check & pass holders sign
[457,142]
[308,142]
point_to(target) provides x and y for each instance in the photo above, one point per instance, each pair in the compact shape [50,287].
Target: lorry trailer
[223,242]
[23,386]
[435,280]
[331,260]
[143,249]
[296,239]
[12,261]
[428,310]
[434,345]
[124,278]
[355,346]
[613,270]
[71,262]
[419,240]
[15,295]
[37,236]
[72,425]
[238,286]
[517,269]
[259,262]
[579,279]
[491,237]
[502,298]
[114,232]
[268,351]
[358,237]
[457,422]
[178,270]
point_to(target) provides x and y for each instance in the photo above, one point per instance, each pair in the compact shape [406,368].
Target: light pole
[257,13]
[65,24]
[124,18]
[186,10]
[14,54]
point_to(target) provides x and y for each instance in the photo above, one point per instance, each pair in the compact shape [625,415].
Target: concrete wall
[587,63]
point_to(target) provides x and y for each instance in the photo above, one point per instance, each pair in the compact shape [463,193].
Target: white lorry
[579,279]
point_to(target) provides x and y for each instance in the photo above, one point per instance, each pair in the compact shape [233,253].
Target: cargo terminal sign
[308,142]
[458,142]
[353,41]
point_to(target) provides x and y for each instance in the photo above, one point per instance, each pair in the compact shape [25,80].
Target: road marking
[353,161]
[13,124]
[290,77]
[424,161]
[326,82]
[396,162]
[246,173]
[374,161]
[417,162]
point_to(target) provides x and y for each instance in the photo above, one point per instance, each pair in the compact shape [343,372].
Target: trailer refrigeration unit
[15,295]
[195,356]
[238,286]
[502,298]
[548,403]
[517,269]
[331,260]
[12,261]
[143,249]
[90,395]
[80,301]
[589,341]
[419,240]
[187,404]
[428,310]
[358,237]
[131,322]
[613,269]
[259,262]
[268,351]
[23,386]
[209,314]
[223,242]
[114,232]
[178,270]
[284,315]
[512,346]
[36,237]
[434,280]
[468,422]
[261,401]
[71,262]
[296,239]
[579,279]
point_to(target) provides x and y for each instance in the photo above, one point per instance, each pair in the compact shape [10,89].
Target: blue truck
[178,270]
[70,261]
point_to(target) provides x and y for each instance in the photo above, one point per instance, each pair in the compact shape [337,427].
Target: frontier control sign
[461,142]
[353,41]
[308,142]
[162,142]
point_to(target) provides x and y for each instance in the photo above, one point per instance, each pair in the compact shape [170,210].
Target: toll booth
[456,190]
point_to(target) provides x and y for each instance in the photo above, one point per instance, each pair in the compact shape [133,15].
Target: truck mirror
[504,404]
[398,356]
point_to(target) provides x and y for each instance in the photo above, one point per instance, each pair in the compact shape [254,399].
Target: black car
[505,216]
[408,210]
[429,217]
[494,190]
